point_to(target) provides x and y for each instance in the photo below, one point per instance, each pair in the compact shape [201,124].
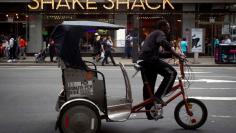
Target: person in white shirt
[107,48]
[226,40]
[128,45]
[12,46]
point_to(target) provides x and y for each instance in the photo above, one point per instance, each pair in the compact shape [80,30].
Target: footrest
[119,109]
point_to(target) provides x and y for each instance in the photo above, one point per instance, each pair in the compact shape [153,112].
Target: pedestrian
[1,39]
[7,48]
[226,40]
[152,65]
[107,48]
[215,44]
[97,48]
[45,36]
[22,44]
[13,45]
[216,41]
[51,49]
[184,46]
[1,45]
[177,48]
[17,49]
[128,45]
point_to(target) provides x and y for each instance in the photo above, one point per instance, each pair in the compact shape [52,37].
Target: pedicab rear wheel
[78,118]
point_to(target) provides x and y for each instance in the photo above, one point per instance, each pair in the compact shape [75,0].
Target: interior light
[179,20]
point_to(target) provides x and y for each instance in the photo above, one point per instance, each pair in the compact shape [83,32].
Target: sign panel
[120,38]
[197,40]
[226,29]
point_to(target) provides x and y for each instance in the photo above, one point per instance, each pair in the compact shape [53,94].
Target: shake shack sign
[107,4]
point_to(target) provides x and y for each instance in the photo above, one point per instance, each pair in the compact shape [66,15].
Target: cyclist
[153,65]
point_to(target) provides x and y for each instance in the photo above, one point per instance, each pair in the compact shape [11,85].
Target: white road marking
[215,98]
[196,72]
[214,76]
[213,81]
[221,116]
[212,88]
[209,81]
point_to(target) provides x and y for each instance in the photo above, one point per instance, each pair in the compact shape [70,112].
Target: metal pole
[196,55]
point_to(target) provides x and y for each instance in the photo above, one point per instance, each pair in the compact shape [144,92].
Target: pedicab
[83,102]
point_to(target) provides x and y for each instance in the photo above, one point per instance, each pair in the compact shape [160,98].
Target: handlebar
[137,68]
[181,67]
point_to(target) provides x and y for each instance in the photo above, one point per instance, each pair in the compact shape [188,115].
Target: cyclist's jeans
[151,70]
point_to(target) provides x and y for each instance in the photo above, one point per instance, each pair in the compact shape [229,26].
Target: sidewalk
[29,61]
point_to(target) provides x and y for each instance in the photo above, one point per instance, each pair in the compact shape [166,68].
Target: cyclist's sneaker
[149,117]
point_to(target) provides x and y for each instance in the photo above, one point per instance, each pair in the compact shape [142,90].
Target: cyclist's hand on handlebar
[182,57]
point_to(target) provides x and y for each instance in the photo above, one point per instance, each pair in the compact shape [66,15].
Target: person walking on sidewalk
[97,48]
[22,44]
[184,46]
[13,45]
[128,45]
[51,49]
[7,47]
[107,48]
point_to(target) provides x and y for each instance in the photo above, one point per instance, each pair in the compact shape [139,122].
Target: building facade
[216,17]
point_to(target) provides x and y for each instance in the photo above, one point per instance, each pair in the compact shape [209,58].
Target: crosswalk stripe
[222,116]
[209,81]
[212,88]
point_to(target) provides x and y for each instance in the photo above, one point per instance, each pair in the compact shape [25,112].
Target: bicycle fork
[187,106]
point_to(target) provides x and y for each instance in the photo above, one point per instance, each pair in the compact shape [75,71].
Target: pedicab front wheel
[80,119]
[198,117]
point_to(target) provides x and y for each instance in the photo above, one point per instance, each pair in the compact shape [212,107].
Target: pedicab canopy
[67,36]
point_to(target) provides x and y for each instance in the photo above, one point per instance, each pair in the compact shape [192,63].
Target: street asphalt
[28,96]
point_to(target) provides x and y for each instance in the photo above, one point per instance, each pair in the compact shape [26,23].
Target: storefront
[213,16]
